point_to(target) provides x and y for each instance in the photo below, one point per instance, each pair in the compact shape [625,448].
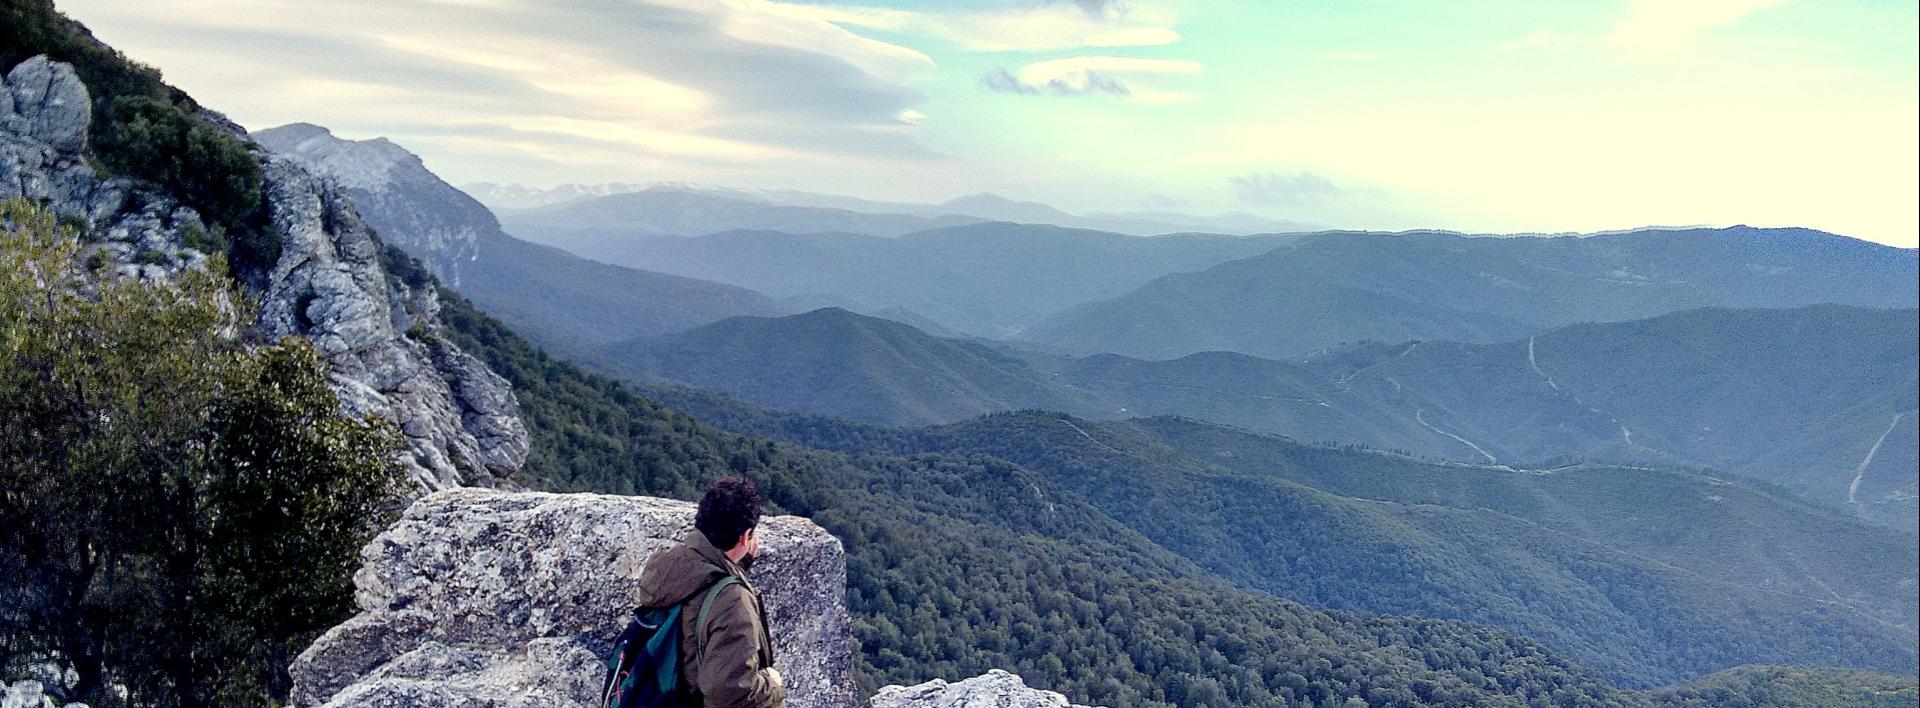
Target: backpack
[644,669]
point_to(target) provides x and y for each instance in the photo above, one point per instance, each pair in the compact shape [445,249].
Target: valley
[286,418]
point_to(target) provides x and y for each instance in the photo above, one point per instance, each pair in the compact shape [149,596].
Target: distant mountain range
[1330,289]
[564,301]
[1797,397]
[982,279]
[757,207]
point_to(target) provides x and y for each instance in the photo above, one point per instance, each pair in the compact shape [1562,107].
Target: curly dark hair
[730,507]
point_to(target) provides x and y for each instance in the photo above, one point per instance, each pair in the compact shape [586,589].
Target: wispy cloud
[668,83]
[1067,24]
[1129,78]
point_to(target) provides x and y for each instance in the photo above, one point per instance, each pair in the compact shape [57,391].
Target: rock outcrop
[556,299]
[393,190]
[29,694]
[994,689]
[42,101]
[483,597]
[328,285]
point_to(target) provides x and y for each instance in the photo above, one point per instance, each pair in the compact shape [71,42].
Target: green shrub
[142,128]
[180,513]
[159,142]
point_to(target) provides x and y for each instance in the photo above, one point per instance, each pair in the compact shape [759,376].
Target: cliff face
[392,189]
[485,597]
[562,301]
[328,285]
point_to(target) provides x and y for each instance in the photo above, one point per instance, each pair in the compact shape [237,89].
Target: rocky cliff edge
[328,285]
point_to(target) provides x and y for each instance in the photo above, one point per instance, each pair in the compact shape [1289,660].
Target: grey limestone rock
[29,694]
[461,420]
[328,286]
[481,596]
[392,188]
[49,104]
[994,689]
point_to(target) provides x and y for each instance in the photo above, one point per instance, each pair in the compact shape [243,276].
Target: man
[728,661]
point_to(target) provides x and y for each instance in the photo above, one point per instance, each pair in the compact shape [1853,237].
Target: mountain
[988,279]
[960,564]
[836,362]
[994,207]
[1651,576]
[1819,399]
[556,297]
[594,225]
[515,199]
[1812,398]
[1331,289]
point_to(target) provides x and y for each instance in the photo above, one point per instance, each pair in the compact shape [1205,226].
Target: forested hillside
[958,564]
[1648,575]
[1338,288]
[1812,398]
[834,361]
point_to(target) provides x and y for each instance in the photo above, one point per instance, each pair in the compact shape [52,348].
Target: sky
[1495,116]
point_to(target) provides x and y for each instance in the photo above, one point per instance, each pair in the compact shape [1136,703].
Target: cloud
[1080,76]
[1097,8]
[1051,26]
[1071,84]
[693,85]
[1299,189]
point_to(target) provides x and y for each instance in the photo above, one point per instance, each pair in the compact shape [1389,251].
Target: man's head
[729,509]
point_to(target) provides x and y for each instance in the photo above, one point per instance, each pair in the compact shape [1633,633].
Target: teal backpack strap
[700,620]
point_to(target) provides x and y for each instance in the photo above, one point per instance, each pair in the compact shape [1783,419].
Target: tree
[181,507]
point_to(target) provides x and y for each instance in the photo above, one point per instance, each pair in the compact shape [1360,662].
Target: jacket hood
[675,575]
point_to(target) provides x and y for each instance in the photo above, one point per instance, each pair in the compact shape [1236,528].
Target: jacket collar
[712,554]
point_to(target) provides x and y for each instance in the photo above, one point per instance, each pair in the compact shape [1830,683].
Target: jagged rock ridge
[554,297]
[461,420]
[421,214]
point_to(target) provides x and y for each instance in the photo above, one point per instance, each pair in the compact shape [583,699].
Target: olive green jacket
[736,668]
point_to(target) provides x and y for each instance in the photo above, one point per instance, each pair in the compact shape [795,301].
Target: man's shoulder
[674,575]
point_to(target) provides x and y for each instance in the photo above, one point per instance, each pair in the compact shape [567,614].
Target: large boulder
[994,689]
[48,103]
[483,597]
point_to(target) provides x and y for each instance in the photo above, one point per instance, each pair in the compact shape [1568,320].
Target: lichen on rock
[480,596]
[994,689]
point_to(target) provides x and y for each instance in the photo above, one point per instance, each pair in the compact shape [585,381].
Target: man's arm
[730,674]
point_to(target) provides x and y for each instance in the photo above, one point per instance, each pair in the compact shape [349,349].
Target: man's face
[749,548]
